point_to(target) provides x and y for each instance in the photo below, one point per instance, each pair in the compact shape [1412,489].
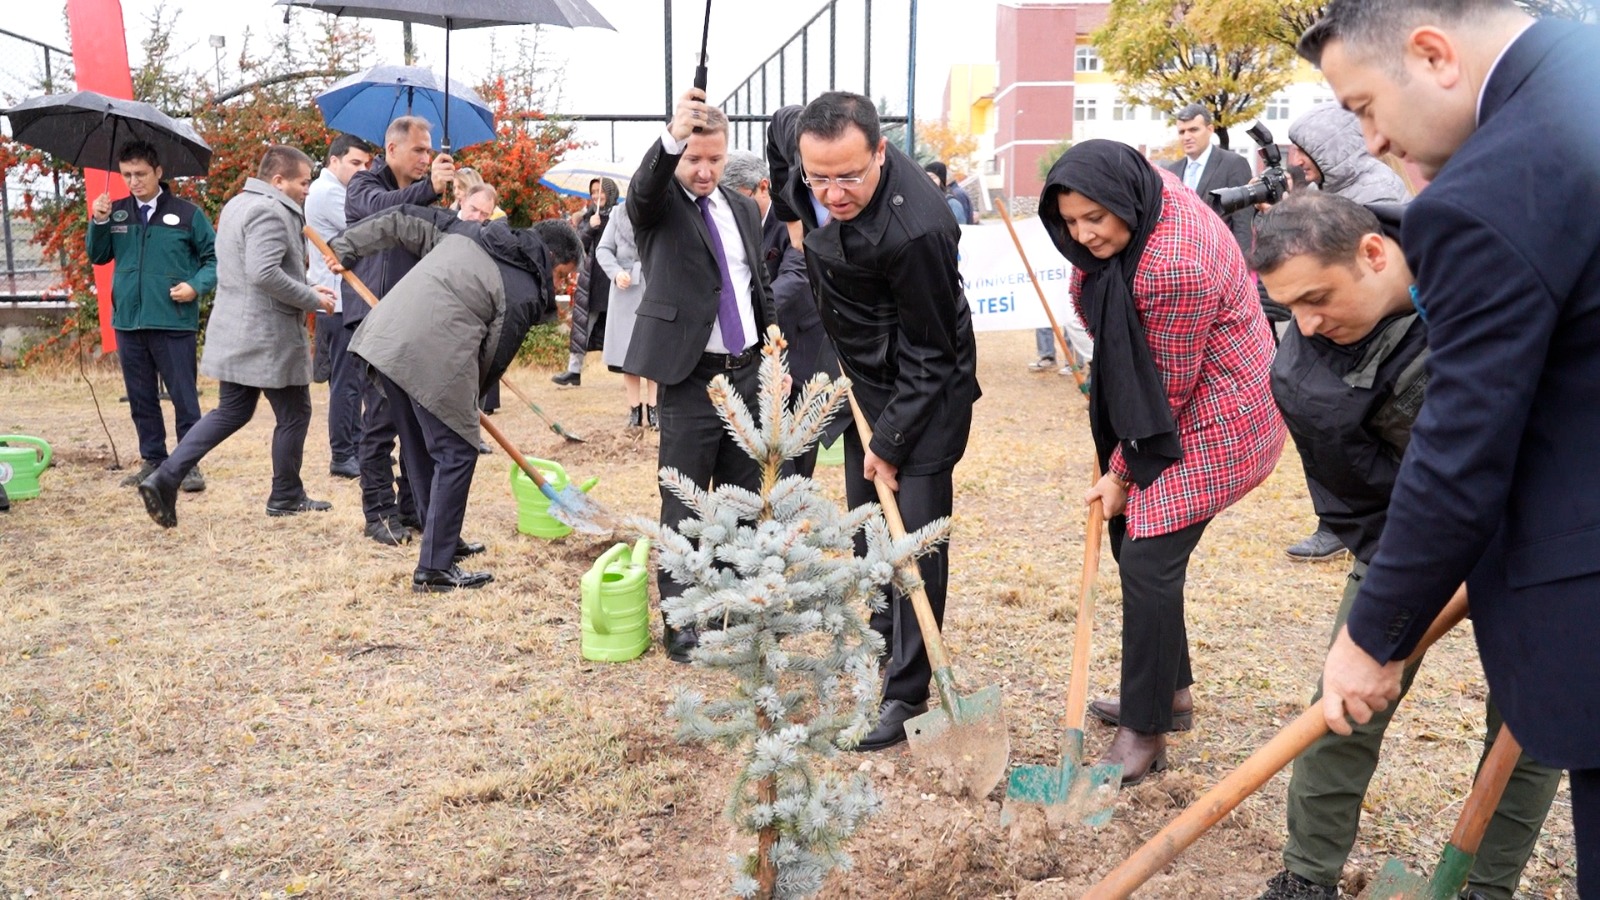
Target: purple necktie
[728,306]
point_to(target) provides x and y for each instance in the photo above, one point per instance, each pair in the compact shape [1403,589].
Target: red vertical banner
[100,61]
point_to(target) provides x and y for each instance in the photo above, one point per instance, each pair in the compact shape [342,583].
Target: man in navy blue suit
[1501,484]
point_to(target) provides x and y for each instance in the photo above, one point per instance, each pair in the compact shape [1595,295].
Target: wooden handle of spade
[1216,803]
[931,638]
[1061,337]
[1486,791]
[1078,688]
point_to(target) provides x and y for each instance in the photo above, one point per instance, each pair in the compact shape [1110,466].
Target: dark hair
[281,159]
[1193,111]
[561,239]
[1378,27]
[940,171]
[139,151]
[829,115]
[344,143]
[1313,223]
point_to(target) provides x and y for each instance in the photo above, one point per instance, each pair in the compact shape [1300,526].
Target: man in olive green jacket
[165,260]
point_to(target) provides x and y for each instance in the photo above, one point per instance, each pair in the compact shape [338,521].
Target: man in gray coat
[256,342]
[448,329]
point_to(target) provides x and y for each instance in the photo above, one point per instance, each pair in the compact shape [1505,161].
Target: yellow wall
[970,85]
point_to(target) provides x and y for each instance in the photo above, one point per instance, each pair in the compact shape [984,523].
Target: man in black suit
[1206,167]
[791,291]
[708,306]
[1501,484]
[881,252]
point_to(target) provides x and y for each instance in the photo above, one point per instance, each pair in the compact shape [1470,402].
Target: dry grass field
[255,707]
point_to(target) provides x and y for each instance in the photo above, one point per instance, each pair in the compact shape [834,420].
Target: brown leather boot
[1109,710]
[1138,753]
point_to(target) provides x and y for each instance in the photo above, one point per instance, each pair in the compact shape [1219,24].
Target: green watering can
[616,604]
[533,507]
[20,467]
[831,454]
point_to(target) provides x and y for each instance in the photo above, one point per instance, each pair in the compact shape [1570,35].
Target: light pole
[217,42]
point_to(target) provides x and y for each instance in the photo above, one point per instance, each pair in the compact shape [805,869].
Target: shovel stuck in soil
[1450,876]
[570,507]
[966,736]
[1071,791]
[554,425]
[1215,804]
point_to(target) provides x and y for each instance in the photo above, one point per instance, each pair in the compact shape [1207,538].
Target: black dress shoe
[465,549]
[433,581]
[409,521]
[295,507]
[484,449]
[389,532]
[568,379]
[344,468]
[636,417]
[161,502]
[679,642]
[891,730]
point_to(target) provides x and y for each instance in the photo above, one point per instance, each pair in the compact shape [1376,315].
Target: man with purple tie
[708,307]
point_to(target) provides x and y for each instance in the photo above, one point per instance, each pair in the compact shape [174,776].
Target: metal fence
[27,68]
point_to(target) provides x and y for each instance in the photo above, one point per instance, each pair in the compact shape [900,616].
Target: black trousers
[694,441]
[149,353]
[236,405]
[922,498]
[1586,825]
[383,493]
[344,387]
[439,464]
[1155,643]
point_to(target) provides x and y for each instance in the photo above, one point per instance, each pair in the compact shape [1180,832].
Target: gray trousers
[1330,781]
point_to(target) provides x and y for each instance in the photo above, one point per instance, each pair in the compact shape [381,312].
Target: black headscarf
[1128,402]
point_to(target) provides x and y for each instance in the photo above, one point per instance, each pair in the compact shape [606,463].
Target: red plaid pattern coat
[1212,345]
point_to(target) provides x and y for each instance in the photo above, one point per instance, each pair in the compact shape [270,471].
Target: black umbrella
[453,14]
[83,128]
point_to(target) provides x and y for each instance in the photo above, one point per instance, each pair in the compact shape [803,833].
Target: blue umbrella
[365,103]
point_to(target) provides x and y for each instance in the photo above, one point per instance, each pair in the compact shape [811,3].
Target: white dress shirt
[733,248]
[1196,168]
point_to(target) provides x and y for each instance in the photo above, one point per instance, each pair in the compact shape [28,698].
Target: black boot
[636,417]
[652,418]
[678,641]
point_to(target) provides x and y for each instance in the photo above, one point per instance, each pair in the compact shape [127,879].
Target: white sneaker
[1042,364]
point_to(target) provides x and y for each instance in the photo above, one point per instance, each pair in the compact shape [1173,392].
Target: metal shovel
[554,425]
[966,736]
[570,507]
[1450,876]
[1072,791]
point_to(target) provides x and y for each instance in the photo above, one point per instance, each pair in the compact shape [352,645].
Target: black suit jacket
[1501,484]
[675,319]
[1225,169]
[791,294]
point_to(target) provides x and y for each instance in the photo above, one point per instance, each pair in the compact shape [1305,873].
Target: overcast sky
[618,71]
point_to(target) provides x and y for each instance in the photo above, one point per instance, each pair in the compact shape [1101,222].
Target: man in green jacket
[165,260]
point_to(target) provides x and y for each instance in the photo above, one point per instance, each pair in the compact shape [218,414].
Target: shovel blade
[577,511]
[1395,883]
[1071,791]
[966,741]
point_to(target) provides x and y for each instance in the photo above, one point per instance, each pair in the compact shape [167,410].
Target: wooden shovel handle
[937,658]
[1216,803]
[1486,791]
[1078,688]
[499,436]
[1066,348]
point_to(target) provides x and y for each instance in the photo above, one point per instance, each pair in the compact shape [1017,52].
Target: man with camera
[1205,169]
[1349,379]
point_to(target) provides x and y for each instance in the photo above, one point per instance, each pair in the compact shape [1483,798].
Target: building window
[1084,111]
[1122,112]
[1278,109]
[1087,59]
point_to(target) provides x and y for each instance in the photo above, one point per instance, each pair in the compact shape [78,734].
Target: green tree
[1048,160]
[1165,62]
[1277,21]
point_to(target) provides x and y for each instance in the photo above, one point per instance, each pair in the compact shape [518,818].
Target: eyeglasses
[844,183]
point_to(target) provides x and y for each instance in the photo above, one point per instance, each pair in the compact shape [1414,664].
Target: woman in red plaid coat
[1180,405]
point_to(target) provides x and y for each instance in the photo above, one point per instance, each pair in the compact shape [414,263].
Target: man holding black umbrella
[164,248]
[408,174]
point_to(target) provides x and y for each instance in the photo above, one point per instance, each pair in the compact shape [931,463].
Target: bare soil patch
[247,707]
